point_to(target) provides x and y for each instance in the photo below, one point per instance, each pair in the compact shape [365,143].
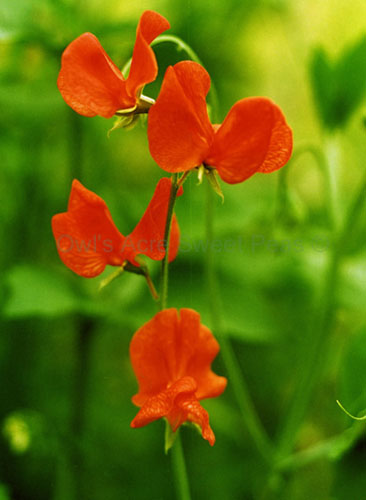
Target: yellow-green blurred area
[65,377]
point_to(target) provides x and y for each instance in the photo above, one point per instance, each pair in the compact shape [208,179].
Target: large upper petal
[148,236]
[86,236]
[179,130]
[144,67]
[254,137]
[89,81]
[170,347]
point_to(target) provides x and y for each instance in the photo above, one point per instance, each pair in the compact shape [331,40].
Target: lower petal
[178,404]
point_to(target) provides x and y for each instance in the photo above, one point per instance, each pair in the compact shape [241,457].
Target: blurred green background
[65,377]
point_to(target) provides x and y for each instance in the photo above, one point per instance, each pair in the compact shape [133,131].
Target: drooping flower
[171,356]
[254,137]
[87,239]
[90,82]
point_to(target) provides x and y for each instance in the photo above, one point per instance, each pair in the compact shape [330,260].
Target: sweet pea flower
[254,137]
[171,356]
[91,84]
[87,239]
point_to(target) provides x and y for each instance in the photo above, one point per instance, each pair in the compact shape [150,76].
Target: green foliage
[339,86]
[38,292]
[4,493]
[29,449]
[353,375]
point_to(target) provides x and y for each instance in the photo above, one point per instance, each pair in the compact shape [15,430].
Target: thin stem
[108,280]
[183,178]
[179,466]
[249,415]
[182,45]
[82,368]
[315,351]
[322,163]
[179,470]
[165,261]
[151,286]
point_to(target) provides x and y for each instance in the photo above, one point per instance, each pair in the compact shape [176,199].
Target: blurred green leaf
[350,478]
[340,86]
[4,493]
[246,315]
[351,292]
[29,448]
[322,80]
[38,292]
[353,374]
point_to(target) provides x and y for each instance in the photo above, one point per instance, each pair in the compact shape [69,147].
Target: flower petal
[169,347]
[201,348]
[144,67]
[178,404]
[153,354]
[89,81]
[162,404]
[193,412]
[254,137]
[148,236]
[179,129]
[86,237]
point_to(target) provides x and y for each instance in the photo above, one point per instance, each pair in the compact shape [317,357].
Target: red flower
[92,84]
[171,356]
[254,137]
[87,239]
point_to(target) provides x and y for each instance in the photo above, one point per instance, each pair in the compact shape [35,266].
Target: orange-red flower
[87,239]
[254,137]
[171,356]
[92,84]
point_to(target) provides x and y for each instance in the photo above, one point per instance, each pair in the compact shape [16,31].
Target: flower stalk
[316,349]
[249,415]
[178,461]
[179,469]
[165,262]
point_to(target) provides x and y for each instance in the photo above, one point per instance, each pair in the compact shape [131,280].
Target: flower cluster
[172,353]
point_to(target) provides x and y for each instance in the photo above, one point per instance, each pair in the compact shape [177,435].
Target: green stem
[179,466]
[165,261]
[315,350]
[179,470]
[250,417]
[314,354]
[322,163]
[82,368]
[182,45]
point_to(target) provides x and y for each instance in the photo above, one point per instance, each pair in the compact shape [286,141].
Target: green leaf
[323,82]
[351,79]
[353,375]
[246,316]
[339,87]
[351,292]
[4,493]
[38,292]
